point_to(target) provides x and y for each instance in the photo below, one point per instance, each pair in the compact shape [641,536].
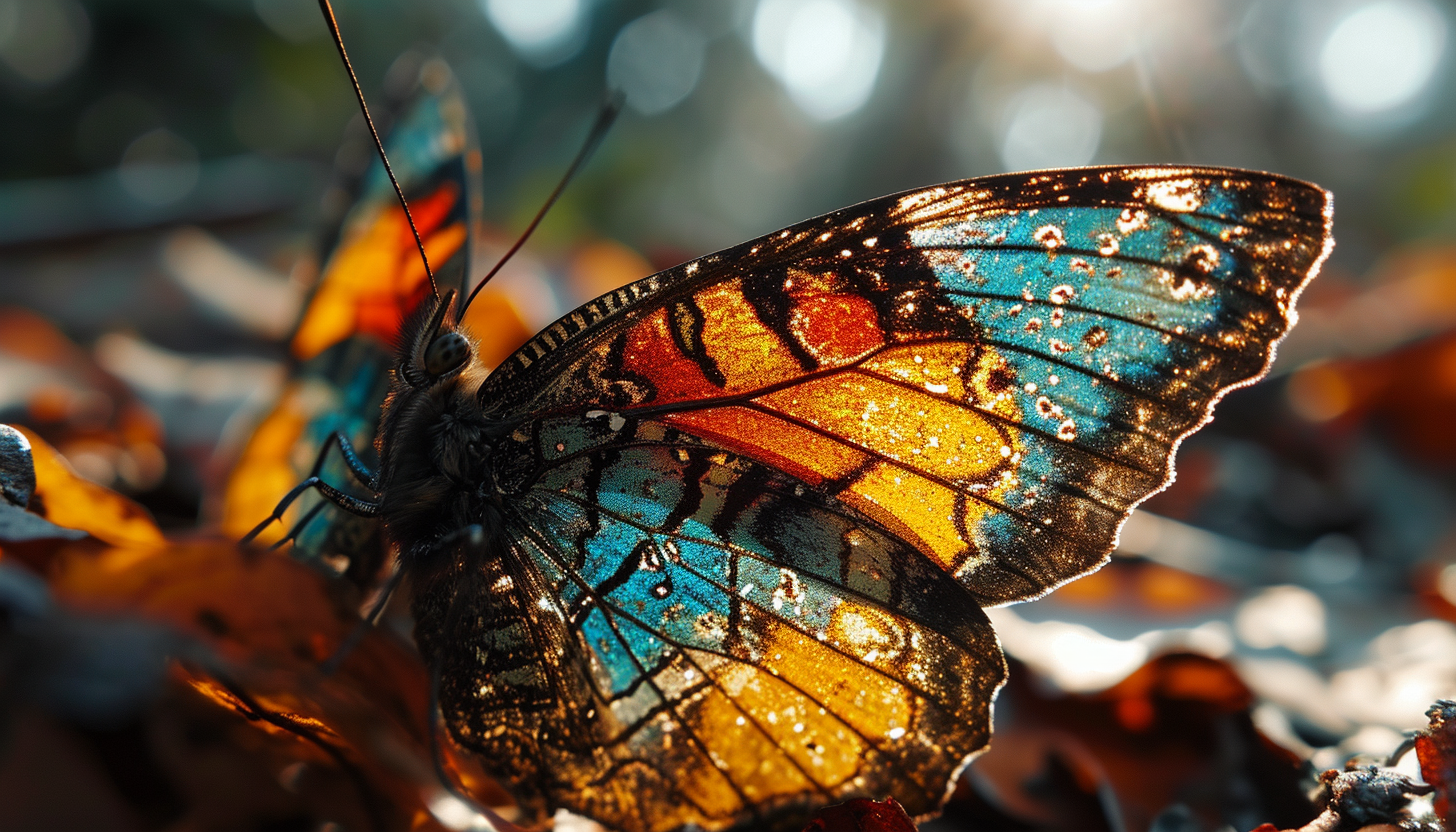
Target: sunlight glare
[1073,657]
[1095,35]
[656,61]
[1286,616]
[455,814]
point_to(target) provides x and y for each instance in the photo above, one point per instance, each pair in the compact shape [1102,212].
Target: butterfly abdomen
[504,660]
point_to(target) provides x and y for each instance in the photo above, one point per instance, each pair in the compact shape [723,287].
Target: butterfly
[714,547]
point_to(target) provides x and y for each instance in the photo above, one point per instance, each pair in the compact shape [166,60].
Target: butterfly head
[434,442]
[447,354]
[431,349]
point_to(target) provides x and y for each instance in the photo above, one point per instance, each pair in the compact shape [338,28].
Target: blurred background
[168,168]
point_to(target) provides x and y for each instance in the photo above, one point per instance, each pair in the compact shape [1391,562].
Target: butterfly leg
[361,472]
[356,635]
[357,467]
[472,533]
[298,527]
[347,502]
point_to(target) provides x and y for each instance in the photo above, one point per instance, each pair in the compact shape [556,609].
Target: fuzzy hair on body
[434,441]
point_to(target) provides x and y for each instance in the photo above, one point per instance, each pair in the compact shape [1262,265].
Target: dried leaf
[1177,731]
[65,498]
[267,623]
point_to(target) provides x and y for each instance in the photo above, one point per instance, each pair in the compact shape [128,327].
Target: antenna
[328,11]
[611,108]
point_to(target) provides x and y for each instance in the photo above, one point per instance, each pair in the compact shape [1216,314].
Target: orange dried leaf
[65,498]
[271,622]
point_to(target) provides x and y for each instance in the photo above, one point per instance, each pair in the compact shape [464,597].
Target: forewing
[371,278]
[993,371]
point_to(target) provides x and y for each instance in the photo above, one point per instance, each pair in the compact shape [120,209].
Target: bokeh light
[1096,35]
[1285,616]
[1074,656]
[826,52]
[159,167]
[1050,127]
[43,41]
[656,61]
[1263,43]
[1382,55]
[544,32]
[1318,393]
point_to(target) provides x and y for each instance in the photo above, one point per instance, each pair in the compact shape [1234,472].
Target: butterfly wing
[996,370]
[759,498]
[372,277]
[710,645]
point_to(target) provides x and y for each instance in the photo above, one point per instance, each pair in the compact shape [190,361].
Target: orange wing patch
[267,467]
[376,276]
[837,329]
[749,354]
[834,326]
[798,451]
[941,458]
[651,352]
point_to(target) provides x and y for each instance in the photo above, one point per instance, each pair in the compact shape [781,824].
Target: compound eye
[446,354]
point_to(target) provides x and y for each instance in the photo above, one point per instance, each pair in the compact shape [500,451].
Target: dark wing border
[510,389]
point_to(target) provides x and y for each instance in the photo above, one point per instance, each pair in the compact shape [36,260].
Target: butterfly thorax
[436,444]
[435,448]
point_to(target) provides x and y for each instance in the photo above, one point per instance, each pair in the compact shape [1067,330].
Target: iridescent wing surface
[759,499]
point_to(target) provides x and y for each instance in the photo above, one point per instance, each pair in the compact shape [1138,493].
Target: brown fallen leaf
[250,631]
[263,625]
[1175,735]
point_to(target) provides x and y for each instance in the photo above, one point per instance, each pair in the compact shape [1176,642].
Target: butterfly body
[713,548]
[434,442]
